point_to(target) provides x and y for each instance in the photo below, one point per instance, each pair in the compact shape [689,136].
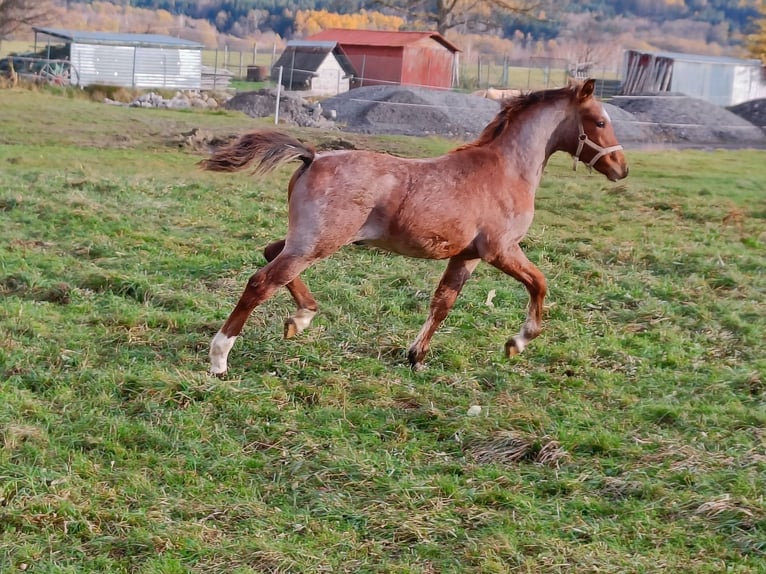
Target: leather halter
[585,140]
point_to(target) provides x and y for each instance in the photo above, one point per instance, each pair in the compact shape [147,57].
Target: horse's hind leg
[307,305]
[457,273]
[280,271]
[513,262]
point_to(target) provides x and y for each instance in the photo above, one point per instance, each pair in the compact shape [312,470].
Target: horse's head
[596,144]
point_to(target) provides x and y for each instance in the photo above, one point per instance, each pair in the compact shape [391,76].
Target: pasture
[629,437]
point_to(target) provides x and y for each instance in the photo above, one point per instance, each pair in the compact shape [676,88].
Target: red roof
[378,37]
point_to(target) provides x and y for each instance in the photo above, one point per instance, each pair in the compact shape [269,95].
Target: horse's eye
[601,124]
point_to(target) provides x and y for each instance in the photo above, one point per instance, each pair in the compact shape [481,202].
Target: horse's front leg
[457,273]
[513,262]
[280,271]
[307,305]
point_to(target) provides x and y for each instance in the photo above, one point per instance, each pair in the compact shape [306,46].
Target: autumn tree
[757,41]
[472,15]
[16,14]
[309,22]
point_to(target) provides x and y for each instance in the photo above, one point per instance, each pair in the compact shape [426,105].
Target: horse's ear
[587,89]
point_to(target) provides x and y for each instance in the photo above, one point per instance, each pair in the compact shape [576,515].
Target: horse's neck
[528,142]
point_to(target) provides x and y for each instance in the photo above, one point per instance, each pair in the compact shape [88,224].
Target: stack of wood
[215,79]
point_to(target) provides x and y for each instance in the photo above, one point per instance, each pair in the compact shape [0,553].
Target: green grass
[629,437]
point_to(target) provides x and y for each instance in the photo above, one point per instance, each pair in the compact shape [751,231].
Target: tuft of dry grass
[511,447]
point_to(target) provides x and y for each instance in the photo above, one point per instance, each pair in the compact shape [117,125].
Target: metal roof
[379,37]
[111,38]
[700,58]
[302,59]
[318,44]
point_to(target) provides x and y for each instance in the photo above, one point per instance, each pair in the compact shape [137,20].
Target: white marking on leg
[219,353]
[520,342]
[302,318]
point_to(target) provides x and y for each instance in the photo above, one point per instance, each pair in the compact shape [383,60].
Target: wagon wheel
[56,73]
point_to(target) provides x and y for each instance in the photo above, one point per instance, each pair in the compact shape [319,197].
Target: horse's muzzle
[618,174]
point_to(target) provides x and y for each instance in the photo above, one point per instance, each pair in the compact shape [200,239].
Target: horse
[474,203]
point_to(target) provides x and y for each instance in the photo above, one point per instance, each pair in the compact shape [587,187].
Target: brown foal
[474,203]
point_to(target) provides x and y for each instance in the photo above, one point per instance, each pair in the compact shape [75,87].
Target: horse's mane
[511,108]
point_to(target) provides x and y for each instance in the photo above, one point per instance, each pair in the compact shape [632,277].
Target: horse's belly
[429,250]
[426,245]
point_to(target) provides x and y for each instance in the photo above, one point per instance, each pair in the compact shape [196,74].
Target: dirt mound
[647,119]
[292,108]
[680,119]
[753,111]
[420,111]
[411,111]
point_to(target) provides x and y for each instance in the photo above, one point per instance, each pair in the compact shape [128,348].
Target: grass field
[629,437]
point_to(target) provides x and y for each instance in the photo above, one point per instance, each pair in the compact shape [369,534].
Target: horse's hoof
[418,367]
[416,362]
[220,375]
[513,347]
[291,329]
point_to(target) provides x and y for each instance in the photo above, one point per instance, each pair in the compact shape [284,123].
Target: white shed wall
[168,68]
[747,85]
[141,67]
[329,79]
[710,82]
[105,65]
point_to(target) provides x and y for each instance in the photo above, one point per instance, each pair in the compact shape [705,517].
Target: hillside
[593,30]
[722,21]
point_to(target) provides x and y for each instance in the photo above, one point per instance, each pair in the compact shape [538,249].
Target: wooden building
[320,67]
[409,58]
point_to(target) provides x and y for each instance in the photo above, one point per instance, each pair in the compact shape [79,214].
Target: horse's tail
[266,149]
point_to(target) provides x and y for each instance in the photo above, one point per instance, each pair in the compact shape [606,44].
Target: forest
[242,17]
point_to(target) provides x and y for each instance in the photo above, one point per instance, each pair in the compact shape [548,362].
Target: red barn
[413,58]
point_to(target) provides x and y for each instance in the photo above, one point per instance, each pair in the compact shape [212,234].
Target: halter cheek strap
[584,140]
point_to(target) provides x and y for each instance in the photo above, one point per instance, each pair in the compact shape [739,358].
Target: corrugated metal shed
[411,58]
[130,60]
[720,80]
[321,67]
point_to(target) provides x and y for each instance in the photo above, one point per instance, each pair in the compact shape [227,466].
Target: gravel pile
[753,111]
[681,120]
[628,129]
[650,119]
[411,111]
[292,107]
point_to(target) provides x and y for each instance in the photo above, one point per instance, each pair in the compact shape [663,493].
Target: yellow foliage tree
[756,42]
[446,15]
[308,22]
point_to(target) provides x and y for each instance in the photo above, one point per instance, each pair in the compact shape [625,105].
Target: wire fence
[468,71]
[465,72]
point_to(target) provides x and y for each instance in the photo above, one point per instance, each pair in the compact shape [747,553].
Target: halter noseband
[584,140]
